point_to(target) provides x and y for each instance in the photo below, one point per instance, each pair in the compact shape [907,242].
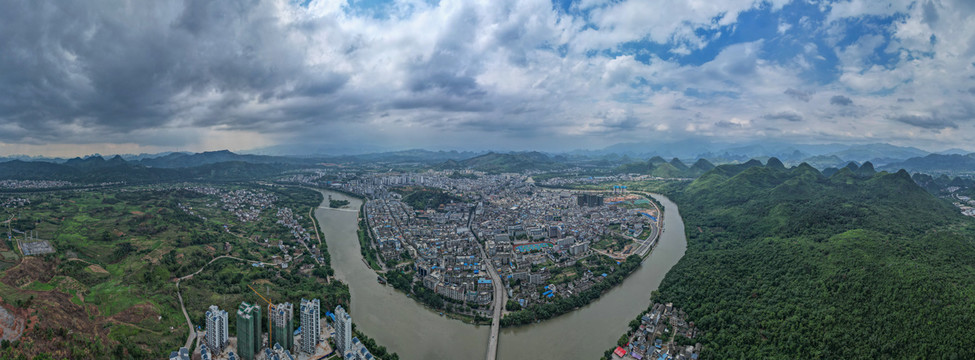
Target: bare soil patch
[97,269]
[30,269]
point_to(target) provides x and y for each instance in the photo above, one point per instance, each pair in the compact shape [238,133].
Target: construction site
[275,340]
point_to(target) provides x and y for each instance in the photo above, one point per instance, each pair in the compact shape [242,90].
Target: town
[449,231]
[663,333]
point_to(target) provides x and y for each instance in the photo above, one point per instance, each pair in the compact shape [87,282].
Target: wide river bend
[418,333]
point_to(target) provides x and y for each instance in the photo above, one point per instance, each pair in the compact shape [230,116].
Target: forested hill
[789,264]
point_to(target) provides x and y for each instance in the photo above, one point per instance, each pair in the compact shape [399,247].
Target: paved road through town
[500,297]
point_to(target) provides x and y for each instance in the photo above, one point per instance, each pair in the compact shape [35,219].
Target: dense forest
[423,198]
[788,263]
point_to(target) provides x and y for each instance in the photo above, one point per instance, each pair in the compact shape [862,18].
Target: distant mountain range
[511,162]
[873,152]
[219,166]
[182,160]
[817,155]
[407,156]
[937,163]
[643,158]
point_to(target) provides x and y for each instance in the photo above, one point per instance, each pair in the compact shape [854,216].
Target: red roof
[619,351]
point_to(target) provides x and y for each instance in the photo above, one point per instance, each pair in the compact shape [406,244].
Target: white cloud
[506,72]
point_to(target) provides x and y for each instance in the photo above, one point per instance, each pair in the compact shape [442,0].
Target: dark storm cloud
[111,69]
[785,115]
[446,80]
[925,121]
[442,102]
[167,72]
[840,100]
[724,124]
[799,94]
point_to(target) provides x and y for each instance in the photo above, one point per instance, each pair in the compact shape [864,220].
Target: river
[418,333]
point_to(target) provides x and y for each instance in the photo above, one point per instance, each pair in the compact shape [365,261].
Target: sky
[80,77]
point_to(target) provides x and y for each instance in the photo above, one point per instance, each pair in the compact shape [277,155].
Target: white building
[343,330]
[216,336]
[311,323]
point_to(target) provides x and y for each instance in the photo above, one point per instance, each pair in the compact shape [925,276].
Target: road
[372,243]
[644,245]
[189,338]
[500,297]
[179,294]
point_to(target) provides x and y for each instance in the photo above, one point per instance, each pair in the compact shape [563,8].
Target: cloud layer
[486,74]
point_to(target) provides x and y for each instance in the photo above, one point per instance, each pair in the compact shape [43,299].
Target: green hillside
[422,198]
[787,264]
[659,168]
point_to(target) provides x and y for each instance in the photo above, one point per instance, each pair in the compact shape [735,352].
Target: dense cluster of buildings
[657,336]
[283,341]
[440,240]
[34,184]
[287,218]
[248,206]
[14,202]
[530,234]
[244,204]
[965,204]
[526,233]
[592,180]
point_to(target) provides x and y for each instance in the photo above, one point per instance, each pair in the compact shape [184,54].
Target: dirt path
[314,221]
[179,294]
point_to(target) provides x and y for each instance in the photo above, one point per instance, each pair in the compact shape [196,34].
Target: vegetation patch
[789,263]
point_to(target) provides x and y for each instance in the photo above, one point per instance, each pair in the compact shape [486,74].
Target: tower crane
[270,309]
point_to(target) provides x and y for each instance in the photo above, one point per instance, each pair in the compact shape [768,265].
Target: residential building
[182,354]
[589,200]
[283,325]
[216,335]
[249,337]
[343,330]
[311,323]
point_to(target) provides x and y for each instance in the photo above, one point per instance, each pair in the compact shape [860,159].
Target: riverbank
[598,325]
[366,242]
[417,332]
[542,312]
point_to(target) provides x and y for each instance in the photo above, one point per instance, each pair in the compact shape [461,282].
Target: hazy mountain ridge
[507,162]
[95,169]
[937,163]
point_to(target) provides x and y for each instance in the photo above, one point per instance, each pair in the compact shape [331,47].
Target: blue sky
[98,77]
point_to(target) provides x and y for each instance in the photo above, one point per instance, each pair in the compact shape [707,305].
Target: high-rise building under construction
[249,339]
[283,325]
